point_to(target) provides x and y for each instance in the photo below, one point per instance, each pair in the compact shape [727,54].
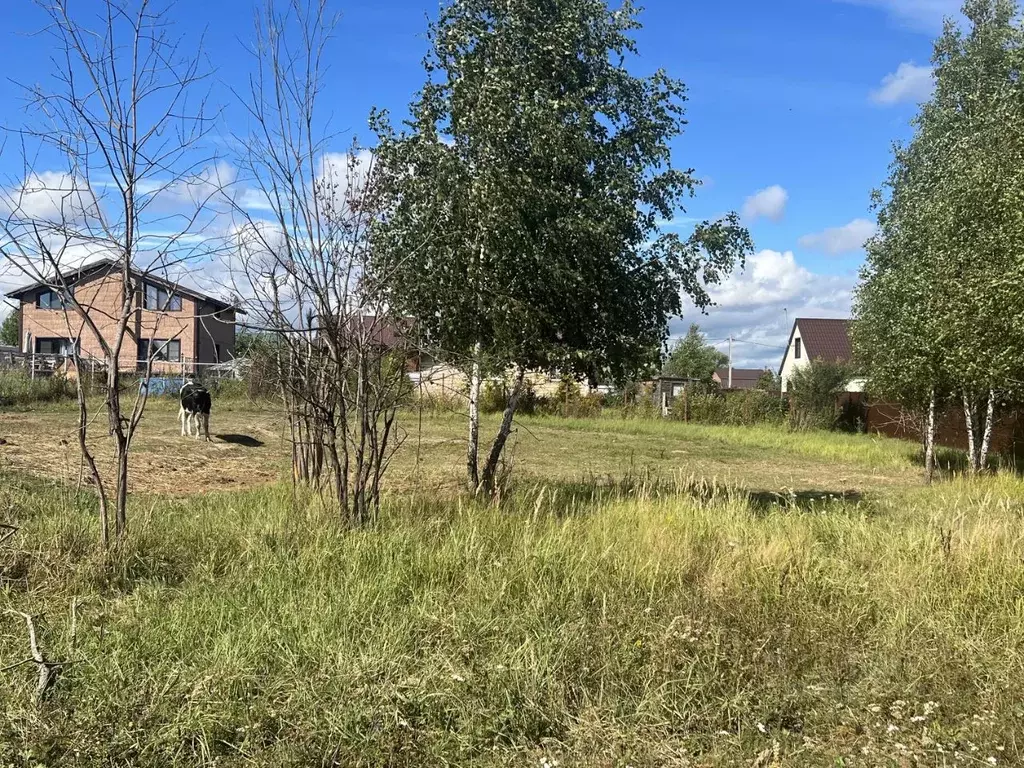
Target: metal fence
[40,364]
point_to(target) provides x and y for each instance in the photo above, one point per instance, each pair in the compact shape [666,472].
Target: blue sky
[794,105]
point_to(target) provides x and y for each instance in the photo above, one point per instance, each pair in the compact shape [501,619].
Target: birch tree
[975,123]
[528,189]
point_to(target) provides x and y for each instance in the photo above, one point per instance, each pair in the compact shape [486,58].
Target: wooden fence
[950,430]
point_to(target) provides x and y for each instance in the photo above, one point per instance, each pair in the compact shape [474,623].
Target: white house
[815,338]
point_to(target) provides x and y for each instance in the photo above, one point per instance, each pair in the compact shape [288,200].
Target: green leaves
[525,192]
[9,330]
[941,290]
[693,358]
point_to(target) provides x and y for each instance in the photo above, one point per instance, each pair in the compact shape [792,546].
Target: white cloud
[758,305]
[345,173]
[838,240]
[50,196]
[909,83]
[207,188]
[769,203]
[920,15]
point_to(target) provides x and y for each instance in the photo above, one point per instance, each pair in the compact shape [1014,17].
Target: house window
[49,300]
[160,350]
[160,299]
[796,349]
[53,347]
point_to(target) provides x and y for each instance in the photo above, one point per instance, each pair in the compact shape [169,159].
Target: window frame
[54,297]
[63,351]
[797,348]
[150,350]
[163,299]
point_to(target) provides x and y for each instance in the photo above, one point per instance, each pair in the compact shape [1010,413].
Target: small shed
[667,389]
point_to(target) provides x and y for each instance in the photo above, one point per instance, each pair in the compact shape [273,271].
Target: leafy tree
[693,358]
[769,381]
[9,330]
[525,198]
[936,311]
[813,390]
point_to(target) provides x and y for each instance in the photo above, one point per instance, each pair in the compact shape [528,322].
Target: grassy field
[648,594]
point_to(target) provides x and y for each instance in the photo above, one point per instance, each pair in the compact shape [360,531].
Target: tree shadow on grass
[763,502]
[953,461]
[571,498]
[243,440]
[950,460]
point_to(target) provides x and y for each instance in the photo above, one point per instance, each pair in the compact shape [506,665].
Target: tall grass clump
[643,624]
[17,388]
[742,408]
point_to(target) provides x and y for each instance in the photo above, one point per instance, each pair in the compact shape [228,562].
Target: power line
[745,341]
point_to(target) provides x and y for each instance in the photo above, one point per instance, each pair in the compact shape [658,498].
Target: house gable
[815,338]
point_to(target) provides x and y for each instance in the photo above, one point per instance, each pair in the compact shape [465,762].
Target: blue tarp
[163,385]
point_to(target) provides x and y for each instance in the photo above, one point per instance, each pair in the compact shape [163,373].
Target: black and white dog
[195,409]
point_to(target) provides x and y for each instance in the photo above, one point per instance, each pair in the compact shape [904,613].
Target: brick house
[182,328]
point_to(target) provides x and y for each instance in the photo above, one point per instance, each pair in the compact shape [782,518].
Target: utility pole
[730,361]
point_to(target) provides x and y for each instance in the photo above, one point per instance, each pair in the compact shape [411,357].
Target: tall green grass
[18,389]
[767,440]
[640,625]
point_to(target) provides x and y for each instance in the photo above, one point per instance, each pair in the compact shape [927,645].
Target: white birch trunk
[986,439]
[473,448]
[929,441]
[972,455]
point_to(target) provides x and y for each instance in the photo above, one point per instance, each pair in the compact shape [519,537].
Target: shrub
[494,397]
[739,408]
[813,391]
[439,401]
[638,402]
[570,402]
[17,388]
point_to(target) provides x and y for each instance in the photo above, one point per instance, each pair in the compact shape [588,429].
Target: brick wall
[101,296]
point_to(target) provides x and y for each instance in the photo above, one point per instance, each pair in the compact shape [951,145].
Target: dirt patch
[246,450]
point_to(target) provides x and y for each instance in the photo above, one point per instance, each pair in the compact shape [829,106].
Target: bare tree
[118,117]
[301,268]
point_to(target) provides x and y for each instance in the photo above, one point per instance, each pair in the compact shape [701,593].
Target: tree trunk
[83,425]
[972,454]
[929,441]
[491,467]
[340,476]
[986,439]
[117,430]
[473,447]
[121,498]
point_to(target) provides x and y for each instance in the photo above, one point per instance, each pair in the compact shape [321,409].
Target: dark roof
[742,378]
[827,340]
[94,267]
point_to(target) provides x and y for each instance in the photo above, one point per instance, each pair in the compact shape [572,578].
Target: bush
[439,401]
[494,397]
[813,392]
[570,402]
[638,402]
[230,389]
[739,408]
[17,388]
